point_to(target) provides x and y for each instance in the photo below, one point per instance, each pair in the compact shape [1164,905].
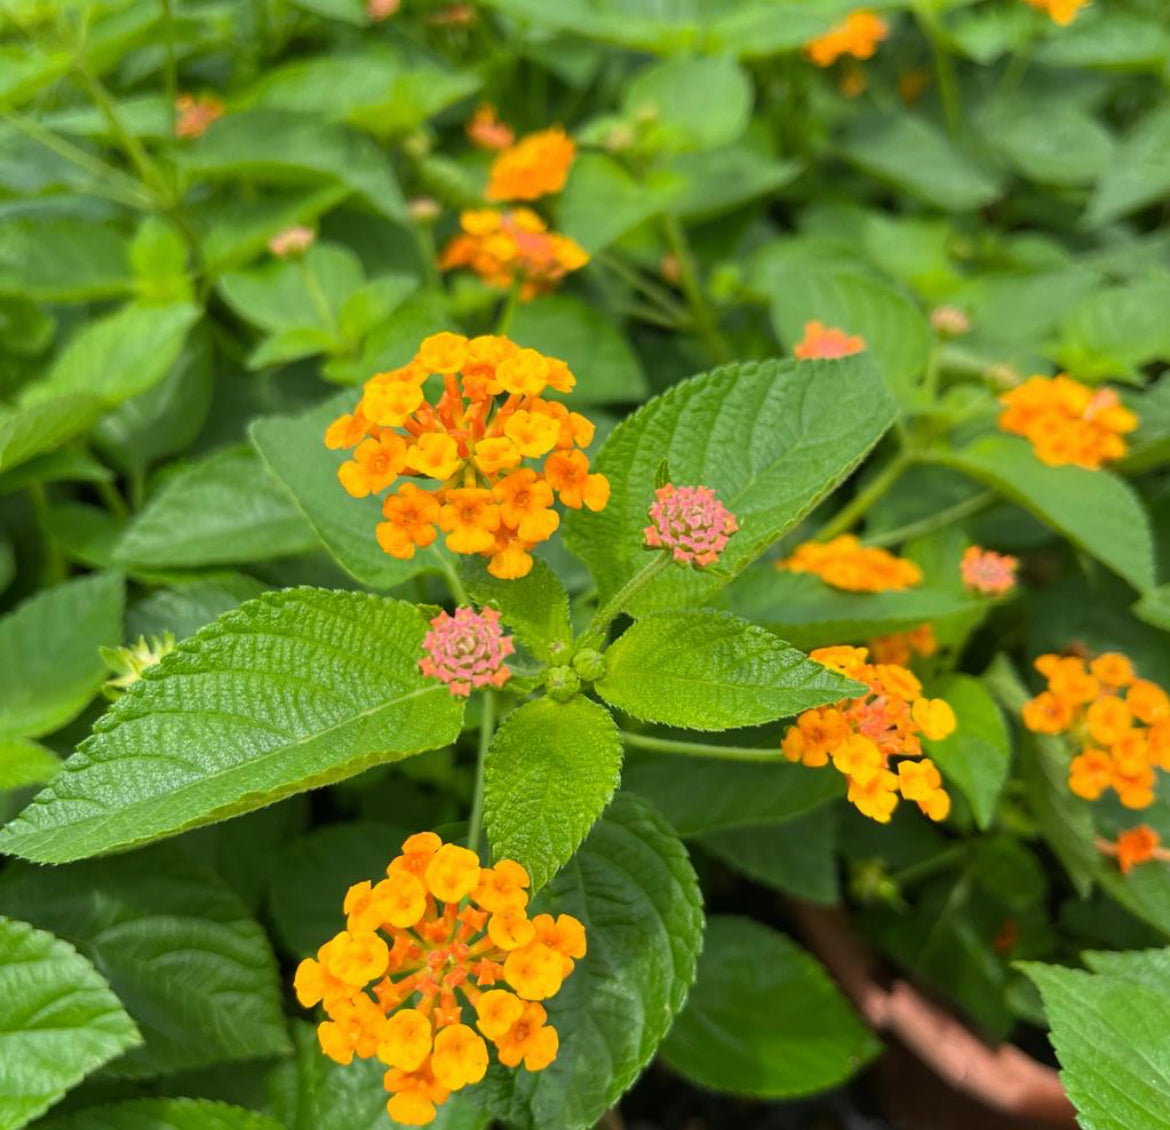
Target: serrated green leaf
[690,103]
[771,439]
[50,665]
[699,796]
[1111,1037]
[715,181]
[311,1092]
[711,671]
[177,946]
[551,770]
[183,609]
[894,329]
[606,368]
[1154,608]
[802,609]
[230,722]
[1050,143]
[163,1114]
[633,887]
[977,756]
[1094,509]
[764,1019]
[796,856]
[223,509]
[63,260]
[293,447]
[1117,330]
[535,607]
[1139,173]
[602,202]
[58,1021]
[24,763]
[105,362]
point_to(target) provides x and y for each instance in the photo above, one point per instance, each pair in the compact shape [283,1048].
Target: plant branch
[853,511]
[940,520]
[605,615]
[487,727]
[702,749]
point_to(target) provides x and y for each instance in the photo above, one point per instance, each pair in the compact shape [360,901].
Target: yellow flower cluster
[845,563]
[860,736]
[1061,12]
[1121,723]
[857,35]
[438,932]
[473,444]
[1068,422]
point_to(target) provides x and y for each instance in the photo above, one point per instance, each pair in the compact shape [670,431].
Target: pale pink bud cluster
[467,650]
[950,321]
[988,572]
[292,241]
[691,522]
[377,10]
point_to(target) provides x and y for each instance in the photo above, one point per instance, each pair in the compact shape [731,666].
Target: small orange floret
[1061,12]
[487,131]
[845,563]
[826,342]
[193,114]
[1136,846]
[535,166]
[857,35]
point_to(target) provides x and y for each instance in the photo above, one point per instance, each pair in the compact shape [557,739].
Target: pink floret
[987,572]
[691,522]
[467,650]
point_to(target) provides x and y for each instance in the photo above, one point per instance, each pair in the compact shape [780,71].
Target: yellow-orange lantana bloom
[1062,12]
[434,958]
[471,443]
[857,35]
[861,736]
[845,563]
[826,342]
[537,165]
[901,647]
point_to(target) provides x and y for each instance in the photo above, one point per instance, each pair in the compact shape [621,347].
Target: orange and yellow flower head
[487,131]
[1068,422]
[845,563]
[827,342]
[1061,12]
[1120,722]
[512,246]
[463,456]
[987,572]
[857,35]
[1134,847]
[900,648]
[537,165]
[861,737]
[437,961]
[690,522]
[194,113]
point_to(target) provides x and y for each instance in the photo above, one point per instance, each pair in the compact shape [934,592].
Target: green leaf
[764,1019]
[771,439]
[796,857]
[1139,173]
[107,361]
[535,607]
[1144,892]
[1051,143]
[24,763]
[163,1114]
[1111,1035]
[1065,821]
[271,146]
[895,330]
[58,1022]
[695,103]
[916,157]
[719,180]
[183,609]
[607,369]
[293,447]
[551,770]
[700,795]
[232,720]
[602,202]
[223,509]
[1117,330]
[63,260]
[1154,608]
[711,671]
[801,608]
[1110,39]
[1093,509]
[634,889]
[311,1092]
[176,945]
[977,756]
[50,665]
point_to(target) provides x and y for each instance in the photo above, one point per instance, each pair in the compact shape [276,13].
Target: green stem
[508,310]
[111,496]
[595,634]
[937,521]
[651,291]
[702,749]
[487,728]
[53,569]
[927,868]
[172,75]
[317,295]
[458,592]
[688,278]
[853,511]
[944,66]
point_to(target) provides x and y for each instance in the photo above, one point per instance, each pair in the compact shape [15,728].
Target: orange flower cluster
[1135,846]
[537,165]
[857,35]
[194,114]
[513,245]
[1068,422]
[456,930]
[487,131]
[861,735]
[1121,722]
[901,647]
[473,445]
[826,342]
[1062,12]
[845,563]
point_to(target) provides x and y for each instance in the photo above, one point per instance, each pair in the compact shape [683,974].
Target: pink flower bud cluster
[467,650]
[691,522]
